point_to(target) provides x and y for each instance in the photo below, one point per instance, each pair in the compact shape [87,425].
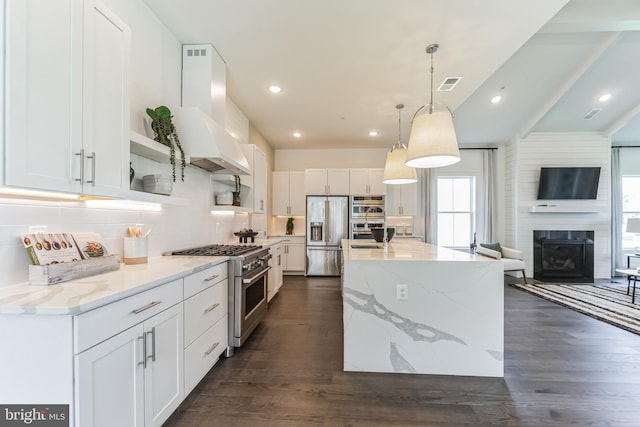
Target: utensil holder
[135,250]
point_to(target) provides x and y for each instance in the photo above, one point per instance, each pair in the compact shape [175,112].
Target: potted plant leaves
[165,134]
[236,193]
[290,225]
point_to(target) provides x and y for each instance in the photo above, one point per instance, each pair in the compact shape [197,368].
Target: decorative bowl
[378,233]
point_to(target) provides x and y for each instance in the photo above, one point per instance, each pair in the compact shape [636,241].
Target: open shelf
[141,196]
[147,147]
[237,209]
[228,180]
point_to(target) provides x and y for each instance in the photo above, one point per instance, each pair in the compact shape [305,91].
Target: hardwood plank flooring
[561,368]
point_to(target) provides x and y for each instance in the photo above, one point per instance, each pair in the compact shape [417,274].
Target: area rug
[607,302]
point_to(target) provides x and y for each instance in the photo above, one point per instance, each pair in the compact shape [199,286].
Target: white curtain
[428,185]
[490,226]
[616,212]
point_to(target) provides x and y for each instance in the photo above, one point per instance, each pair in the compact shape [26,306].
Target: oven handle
[257,276]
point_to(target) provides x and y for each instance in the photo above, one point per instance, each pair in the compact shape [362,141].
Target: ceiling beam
[622,121]
[570,81]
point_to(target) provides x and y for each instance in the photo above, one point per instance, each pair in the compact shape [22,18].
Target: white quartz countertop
[404,250]
[91,292]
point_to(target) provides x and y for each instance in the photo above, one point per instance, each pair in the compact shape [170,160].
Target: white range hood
[209,145]
[207,142]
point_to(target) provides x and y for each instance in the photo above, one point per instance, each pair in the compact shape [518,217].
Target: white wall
[525,158]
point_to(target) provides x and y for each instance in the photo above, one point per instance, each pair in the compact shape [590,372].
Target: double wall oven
[248,268]
[367,212]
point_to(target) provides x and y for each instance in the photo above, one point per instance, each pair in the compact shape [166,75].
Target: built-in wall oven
[366,212]
[248,275]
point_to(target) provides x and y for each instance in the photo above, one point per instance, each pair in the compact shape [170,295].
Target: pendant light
[395,170]
[432,142]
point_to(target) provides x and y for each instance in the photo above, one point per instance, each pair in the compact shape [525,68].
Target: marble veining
[450,322]
[417,331]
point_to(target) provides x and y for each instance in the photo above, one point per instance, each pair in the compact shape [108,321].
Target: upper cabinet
[326,181]
[366,182]
[67,105]
[402,199]
[256,197]
[288,196]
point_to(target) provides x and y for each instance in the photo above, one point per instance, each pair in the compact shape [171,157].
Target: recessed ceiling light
[297,134]
[373,133]
[496,99]
[275,89]
[605,97]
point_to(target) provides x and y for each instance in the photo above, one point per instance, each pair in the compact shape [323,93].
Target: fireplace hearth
[563,256]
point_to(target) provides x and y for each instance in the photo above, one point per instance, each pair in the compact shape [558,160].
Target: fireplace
[563,256]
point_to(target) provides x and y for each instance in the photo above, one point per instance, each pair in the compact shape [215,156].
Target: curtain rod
[479,148]
[625,146]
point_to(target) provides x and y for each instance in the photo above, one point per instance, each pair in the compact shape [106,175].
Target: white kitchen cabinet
[140,370]
[326,181]
[256,196]
[402,199]
[288,195]
[66,96]
[205,322]
[274,280]
[294,255]
[366,182]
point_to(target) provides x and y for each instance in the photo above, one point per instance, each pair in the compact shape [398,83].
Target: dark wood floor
[561,368]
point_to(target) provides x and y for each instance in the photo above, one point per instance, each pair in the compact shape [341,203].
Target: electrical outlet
[402,292]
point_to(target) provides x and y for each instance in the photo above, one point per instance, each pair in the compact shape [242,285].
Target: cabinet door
[376,187]
[43,114]
[260,181]
[106,102]
[110,382]
[315,181]
[280,195]
[297,197]
[409,198]
[163,377]
[358,181]
[295,257]
[394,199]
[338,181]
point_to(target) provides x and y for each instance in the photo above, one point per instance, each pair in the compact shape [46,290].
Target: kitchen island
[423,309]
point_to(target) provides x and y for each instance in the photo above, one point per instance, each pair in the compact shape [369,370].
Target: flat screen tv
[568,183]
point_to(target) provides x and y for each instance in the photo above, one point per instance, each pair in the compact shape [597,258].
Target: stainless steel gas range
[248,267]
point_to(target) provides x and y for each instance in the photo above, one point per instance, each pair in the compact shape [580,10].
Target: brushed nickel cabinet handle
[81,154]
[210,278]
[210,349]
[153,344]
[211,308]
[144,352]
[146,307]
[93,168]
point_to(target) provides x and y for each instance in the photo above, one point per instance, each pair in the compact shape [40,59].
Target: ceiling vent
[591,114]
[448,84]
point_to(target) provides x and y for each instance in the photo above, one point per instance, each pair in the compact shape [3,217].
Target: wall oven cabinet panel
[66,95]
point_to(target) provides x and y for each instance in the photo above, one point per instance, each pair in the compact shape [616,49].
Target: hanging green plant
[166,135]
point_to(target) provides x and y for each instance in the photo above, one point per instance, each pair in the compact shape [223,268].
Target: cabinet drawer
[97,325]
[204,309]
[205,351]
[196,282]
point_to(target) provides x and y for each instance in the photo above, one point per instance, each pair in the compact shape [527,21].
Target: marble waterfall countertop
[422,309]
[91,292]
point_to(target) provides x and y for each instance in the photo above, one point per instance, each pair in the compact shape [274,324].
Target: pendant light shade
[395,170]
[432,142]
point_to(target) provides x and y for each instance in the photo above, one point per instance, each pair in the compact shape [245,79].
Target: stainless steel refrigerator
[327,225]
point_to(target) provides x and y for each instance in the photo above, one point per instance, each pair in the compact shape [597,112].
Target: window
[456,211]
[630,208]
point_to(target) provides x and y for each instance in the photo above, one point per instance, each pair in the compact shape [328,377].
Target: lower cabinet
[134,378]
[294,255]
[276,262]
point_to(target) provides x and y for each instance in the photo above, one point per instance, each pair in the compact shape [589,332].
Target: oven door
[251,303]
